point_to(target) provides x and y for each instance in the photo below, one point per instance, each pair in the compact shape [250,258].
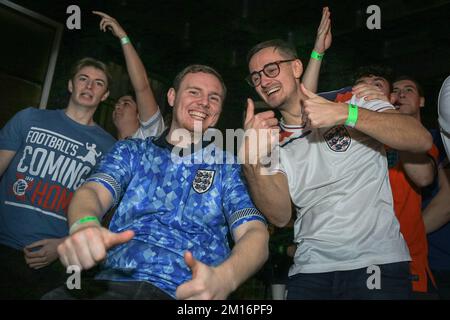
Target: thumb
[113,239]
[191,262]
[306,92]
[250,110]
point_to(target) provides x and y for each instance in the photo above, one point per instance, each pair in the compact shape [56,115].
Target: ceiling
[414,38]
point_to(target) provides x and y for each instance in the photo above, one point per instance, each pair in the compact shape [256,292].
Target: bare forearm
[136,69]
[270,194]
[85,202]
[398,131]
[311,76]
[248,256]
[437,213]
[146,102]
[419,168]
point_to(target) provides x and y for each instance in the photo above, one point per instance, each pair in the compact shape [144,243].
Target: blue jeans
[393,283]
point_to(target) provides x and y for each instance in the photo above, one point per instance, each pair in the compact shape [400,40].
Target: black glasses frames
[271,73]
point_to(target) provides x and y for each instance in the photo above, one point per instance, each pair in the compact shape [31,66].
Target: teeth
[198,114]
[272,90]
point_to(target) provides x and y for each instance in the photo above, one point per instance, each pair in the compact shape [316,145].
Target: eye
[255,77]
[82,78]
[215,99]
[194,93]
[271,69]
[100,83]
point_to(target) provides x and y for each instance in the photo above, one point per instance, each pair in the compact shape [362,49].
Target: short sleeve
[116,168]
[153,127]
[373,105]
[238,206]
[12,134]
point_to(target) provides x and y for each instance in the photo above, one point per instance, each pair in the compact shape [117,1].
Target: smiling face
[281,90]
[199,98]
[407,97]
[88,87]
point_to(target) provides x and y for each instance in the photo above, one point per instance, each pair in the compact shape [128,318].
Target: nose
[265,80]
[204,101]
[89,83]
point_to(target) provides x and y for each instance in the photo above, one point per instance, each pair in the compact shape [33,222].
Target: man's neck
[80,114]
[181,137]
[292,110]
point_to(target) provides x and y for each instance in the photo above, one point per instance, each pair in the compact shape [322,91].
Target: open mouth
[272,90]
[198,115]
[87,95]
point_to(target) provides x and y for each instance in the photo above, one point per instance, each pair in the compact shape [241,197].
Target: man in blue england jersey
[168,237]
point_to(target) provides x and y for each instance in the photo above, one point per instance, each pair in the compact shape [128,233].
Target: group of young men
[168,237]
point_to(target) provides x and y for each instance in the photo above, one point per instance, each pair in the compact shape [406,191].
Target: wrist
[352,115]
[85,222]
[317,55]
[124,40]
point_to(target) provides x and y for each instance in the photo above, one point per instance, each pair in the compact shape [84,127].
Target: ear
[105,96]
[171,94]
[70,86]
[298,68]
[422,102]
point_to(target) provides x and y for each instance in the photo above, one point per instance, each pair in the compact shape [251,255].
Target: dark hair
[130,93]
[412,79]
[285,48]
[375,71]
[91,62]
[195,68]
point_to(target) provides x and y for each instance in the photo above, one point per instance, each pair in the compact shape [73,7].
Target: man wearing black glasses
[333,169]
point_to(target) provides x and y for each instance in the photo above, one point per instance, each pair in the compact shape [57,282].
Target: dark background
[170,34]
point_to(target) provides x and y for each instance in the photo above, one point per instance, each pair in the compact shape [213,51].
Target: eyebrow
[199,89]
[407,86]
[85,75]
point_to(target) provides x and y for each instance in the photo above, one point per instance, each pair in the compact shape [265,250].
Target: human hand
[318,112]
[41,253]
[206,282]
[86,247]
[369,92]
[109,23]
[324,37]
[261,134]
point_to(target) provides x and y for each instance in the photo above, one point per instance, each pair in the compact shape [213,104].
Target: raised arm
[146,102]
[248,255]
[323,42]
[398,131]
[88,243]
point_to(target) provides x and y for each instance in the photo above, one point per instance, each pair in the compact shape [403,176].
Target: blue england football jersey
[171,207]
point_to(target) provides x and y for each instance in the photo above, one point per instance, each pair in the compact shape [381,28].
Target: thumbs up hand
[318,112]
[261,131]
[206,282]
[88,246]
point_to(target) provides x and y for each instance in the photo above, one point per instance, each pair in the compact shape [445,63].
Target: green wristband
[316,55]
[124,40]
[81,221]
[352,115]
